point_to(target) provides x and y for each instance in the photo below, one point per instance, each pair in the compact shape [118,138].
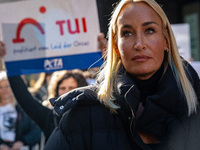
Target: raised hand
[2,49]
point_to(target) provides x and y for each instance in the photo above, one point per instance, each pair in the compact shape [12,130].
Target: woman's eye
[150,31]
[126,33]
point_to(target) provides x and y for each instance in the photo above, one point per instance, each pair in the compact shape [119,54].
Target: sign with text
[49,35]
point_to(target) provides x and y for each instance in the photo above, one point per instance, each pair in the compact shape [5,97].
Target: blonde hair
[39,82]
[111,65]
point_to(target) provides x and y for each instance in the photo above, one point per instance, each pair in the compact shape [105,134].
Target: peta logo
[53,64]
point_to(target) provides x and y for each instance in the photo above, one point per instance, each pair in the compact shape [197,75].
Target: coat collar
[168,95]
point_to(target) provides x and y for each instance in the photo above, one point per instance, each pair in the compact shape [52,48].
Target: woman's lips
[141,58]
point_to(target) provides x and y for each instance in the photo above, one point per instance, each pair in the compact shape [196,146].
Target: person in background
[39,90]
[89,75]
[144,91]
[16,128]
[64,81]
[42,114]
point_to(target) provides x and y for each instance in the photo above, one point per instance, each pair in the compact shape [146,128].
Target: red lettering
[84,25]
[60,24]
[70,29]
[75,30]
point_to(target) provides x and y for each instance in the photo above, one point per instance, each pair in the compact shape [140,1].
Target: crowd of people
[33,102]
[144,97]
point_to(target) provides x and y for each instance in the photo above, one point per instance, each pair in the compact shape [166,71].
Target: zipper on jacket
[132,113]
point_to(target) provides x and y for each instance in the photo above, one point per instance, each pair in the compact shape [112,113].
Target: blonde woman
[145,90]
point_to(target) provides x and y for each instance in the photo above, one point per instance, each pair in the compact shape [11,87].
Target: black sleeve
[29,104]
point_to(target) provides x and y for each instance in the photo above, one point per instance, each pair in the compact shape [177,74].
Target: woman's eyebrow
[144,24]
[148,23]
[127,26]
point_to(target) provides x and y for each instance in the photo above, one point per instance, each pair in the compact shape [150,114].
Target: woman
[16,128]
[145,89]
[44,116]
[63,82]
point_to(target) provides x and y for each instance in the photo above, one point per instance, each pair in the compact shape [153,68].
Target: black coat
[88,124]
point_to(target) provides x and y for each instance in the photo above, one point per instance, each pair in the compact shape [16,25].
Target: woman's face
[5,92]
[140,40]
[67,85]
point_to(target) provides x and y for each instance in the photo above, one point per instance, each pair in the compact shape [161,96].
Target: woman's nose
[139,43]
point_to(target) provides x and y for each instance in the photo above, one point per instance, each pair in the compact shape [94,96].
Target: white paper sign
[48,35]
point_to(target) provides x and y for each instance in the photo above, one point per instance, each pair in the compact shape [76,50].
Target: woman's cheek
[126,50]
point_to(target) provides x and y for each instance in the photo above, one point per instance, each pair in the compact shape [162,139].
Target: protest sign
[49,35]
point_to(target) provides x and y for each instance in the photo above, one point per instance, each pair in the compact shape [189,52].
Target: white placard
[48,35]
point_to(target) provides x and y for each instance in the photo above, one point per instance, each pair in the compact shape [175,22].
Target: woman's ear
[166,47]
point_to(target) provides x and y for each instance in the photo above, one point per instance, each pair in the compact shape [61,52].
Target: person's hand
[17,145]
[2,49]
[4,147]
[102,43]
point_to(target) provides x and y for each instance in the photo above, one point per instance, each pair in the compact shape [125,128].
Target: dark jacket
[26,130]
[88,124]
[44,117]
